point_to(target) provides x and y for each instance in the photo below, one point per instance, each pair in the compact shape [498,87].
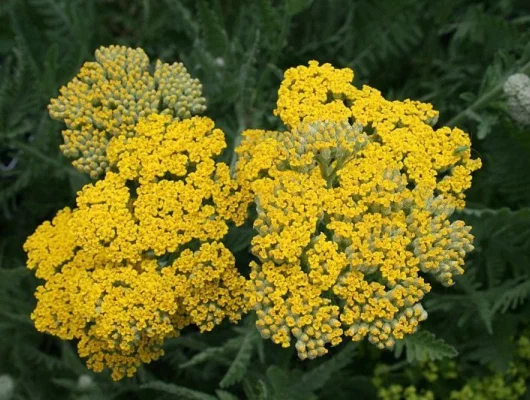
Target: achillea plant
[108,97]
[508,385]
[353,206]
[135,263]
[141,256]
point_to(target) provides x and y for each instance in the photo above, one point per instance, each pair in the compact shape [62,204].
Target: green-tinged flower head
[448,380]
[107,98]
[517,91]
[85,382]
[353,209]
[439,244]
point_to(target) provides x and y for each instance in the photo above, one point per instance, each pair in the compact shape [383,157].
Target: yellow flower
[353,205]
[109,96]
[140,257]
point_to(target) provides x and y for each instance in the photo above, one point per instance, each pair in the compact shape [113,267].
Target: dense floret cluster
[353,213]
[353,206]
[141,257]
[517,92]
[109,96]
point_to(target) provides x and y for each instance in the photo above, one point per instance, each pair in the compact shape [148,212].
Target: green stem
[486,97]
[397,366]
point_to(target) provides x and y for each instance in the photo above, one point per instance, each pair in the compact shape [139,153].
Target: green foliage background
[453,53]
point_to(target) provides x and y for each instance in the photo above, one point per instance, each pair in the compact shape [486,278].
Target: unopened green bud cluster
[108,97]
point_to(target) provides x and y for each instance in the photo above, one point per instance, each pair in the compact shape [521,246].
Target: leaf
[65,383]
[277,377]
[468,96]
[386,30]
[181,392]
[478,298]
[34,358]
[495,351]
[225,395]
[71,359]
[239,366]
[269,18]
[318,377]
[238,239]
[54,16]
[211,353]
[183,17]
[190,342]
[20,318]
[282,384]
[513,297]
[215,34]
[424,346]
[296,385]
[294,7]
[490,89]
[485,125]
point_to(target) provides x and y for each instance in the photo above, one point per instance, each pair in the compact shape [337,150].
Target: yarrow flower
[109,96]
[141,255]
[517,92]
[353,205]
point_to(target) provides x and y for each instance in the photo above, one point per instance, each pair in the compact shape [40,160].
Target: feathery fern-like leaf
[241,362]
[176,390]
[514,296]
[424,346]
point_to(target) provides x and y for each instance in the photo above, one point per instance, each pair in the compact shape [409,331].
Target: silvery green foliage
[517,91]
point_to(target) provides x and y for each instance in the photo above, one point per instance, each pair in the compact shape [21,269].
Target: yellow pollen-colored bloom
[110,95]
[141,256]
[353,205]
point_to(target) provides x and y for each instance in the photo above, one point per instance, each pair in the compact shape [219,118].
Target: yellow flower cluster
[109,96]
[508,385]
[353,211]
[353,206]
[438,160]
[141,257]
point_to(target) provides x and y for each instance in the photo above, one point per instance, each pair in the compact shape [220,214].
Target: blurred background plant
[456,54]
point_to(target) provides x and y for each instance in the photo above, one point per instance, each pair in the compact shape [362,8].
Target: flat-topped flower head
[141,256]
[353,212]
[110,95]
